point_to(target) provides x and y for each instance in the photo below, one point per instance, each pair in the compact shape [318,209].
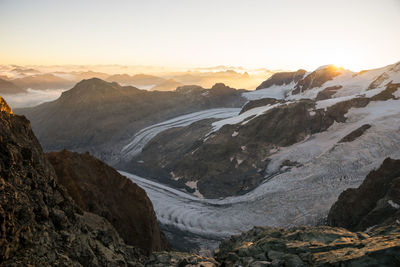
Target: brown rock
[98,188]
[355,134]
[40,225]
[4,107]
[282,78]
[328,92]
[317,78]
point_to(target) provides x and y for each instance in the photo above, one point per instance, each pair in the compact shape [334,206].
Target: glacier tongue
[141,138]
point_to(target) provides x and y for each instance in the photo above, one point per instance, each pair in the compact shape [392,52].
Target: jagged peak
[220,86]
[282,78]
[4,107]
[189,88]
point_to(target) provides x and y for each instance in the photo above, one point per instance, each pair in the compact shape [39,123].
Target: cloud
[32,97]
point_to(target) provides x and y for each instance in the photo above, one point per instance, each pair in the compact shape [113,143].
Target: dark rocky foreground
[375,202]
[40,225]
[311,246]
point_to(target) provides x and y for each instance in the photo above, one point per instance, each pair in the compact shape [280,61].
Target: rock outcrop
[4,107]
[282,78]
[355,134]
[172,259]
[328,92]
[376,201]
[311,246]
[40,223]
[98,188]
[317,78]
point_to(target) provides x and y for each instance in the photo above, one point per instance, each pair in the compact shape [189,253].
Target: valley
[217,172]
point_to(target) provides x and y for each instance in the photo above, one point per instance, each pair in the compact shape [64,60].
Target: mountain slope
[7,87]
[375,202]
[282,78]
[40,224]
[101,117]
[43,82]
[98,188]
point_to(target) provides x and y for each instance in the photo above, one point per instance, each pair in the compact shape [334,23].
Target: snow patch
[274,91]
[239,161]
[140,139]
[174,176]
[394,205]
[193,185]
[244,117]
[397,93]
[32,97]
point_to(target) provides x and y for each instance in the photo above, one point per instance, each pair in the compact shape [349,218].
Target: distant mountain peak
[328,66]
[283,78]
[318,77]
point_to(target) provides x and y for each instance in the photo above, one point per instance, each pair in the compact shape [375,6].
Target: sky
[279,34]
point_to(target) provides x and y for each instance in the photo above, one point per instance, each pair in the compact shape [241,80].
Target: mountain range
[217,162]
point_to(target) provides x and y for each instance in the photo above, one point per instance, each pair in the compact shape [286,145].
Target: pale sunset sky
[279,34]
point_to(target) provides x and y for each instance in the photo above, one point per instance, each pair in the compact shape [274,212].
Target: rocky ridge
[40,223]
[375,202]
[97,188]
[282,78]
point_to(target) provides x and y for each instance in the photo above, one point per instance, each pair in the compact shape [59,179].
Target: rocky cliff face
[375,202]
[4,107]
[98,188]
[282,78]
[40,223]
[317,78]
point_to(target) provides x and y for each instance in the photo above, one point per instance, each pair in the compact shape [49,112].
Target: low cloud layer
[32,98]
